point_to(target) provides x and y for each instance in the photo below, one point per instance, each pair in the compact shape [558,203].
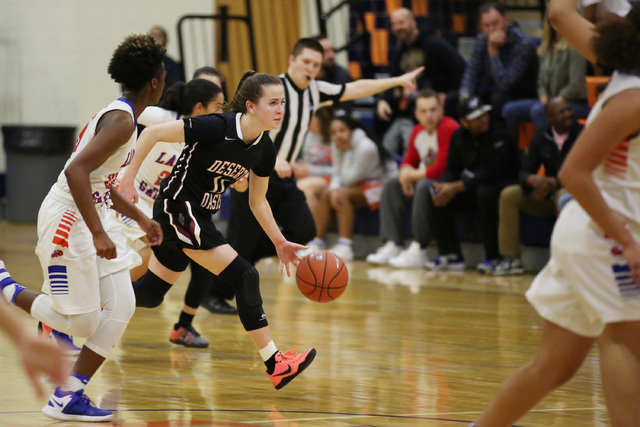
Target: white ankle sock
[344,241]
[74,382]
[268,351]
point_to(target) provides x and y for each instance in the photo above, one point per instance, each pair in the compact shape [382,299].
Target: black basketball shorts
[183,226]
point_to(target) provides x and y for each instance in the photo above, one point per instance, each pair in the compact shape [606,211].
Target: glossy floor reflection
[399,348]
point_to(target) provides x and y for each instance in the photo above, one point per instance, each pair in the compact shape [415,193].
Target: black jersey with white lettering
[214,157]
[299,107]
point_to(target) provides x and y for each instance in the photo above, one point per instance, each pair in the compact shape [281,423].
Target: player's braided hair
[136,61]
[250,88]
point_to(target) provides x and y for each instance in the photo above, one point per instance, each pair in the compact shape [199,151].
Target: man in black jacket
[536,194]
[482,161]
[443,71]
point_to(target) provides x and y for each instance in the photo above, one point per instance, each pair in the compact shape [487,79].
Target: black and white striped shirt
[300,105]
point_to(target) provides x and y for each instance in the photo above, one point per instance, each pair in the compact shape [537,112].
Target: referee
[303,96]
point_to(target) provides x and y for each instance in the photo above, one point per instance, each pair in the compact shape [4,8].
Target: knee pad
[118,298]
[150,290]
[119,306]
[80,325]
[251,287]
[245,279]
[84,325]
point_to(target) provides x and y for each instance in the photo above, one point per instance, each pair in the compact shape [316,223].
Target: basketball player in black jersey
[304,95]
[219,150]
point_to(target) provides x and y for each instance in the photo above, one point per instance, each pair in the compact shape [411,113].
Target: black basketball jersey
[214,157]
[298,110]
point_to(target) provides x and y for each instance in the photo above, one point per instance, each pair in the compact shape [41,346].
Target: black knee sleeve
[246,281]
[150,290]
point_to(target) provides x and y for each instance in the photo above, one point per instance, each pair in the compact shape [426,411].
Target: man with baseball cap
[482,161]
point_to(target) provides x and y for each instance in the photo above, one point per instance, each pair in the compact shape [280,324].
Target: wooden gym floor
[399,348]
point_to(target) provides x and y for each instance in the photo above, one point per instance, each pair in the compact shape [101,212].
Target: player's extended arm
[362,88]
[260,207]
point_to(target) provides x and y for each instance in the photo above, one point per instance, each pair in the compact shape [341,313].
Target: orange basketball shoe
[187,336]
[289,365]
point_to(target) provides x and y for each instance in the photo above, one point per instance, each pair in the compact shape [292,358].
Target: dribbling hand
[287,254]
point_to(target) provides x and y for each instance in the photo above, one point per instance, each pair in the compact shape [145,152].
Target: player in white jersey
[590,289]
[197,97]
[82,248]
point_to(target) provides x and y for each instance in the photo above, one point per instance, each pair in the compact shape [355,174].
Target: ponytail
[183,97]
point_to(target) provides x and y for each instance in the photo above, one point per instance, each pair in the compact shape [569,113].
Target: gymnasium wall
[54,54]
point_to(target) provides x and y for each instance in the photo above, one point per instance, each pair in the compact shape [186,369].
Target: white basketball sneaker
[343,251]
[384,253]
[74,407]
[412,257]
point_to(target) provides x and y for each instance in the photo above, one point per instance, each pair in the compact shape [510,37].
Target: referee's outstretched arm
[368,87]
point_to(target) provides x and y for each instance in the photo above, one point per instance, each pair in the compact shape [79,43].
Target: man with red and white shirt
[424,162]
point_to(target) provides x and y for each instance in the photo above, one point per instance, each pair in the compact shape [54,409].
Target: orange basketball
[322,276]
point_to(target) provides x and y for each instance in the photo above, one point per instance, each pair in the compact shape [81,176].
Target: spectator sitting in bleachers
[536,194]
[423,162]
[482,161]
[503,66]
[443,71]
[562,73]
[313,169]
[360,167]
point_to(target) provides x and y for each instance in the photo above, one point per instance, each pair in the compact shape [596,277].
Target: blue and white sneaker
[487,266]
[74,407]
[450,262]
[7,280]
[65,341]
[5,277]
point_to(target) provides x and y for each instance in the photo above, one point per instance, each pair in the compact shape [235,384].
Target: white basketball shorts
[68,258]
[586,283]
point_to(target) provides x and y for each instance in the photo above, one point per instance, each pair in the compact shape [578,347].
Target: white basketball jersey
[160,160]
[618,177]
[104,177]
